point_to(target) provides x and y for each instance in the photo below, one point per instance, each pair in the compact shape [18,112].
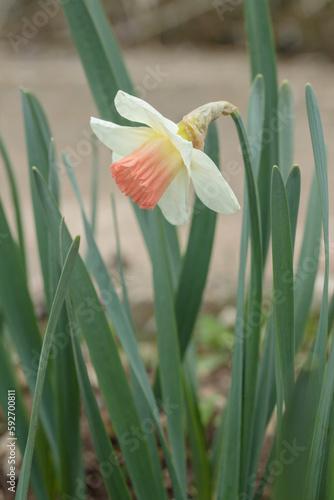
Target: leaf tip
[309,89]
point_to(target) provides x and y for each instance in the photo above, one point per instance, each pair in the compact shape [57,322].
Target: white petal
[137,110]
[174,203]
[184,147]
[122,140]
[116,157]
[210,185]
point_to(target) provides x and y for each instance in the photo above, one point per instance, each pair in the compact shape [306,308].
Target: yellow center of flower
[189,131]
[146,173]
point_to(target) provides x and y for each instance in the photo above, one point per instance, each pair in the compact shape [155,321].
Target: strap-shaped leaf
[255,120]
[318,384]
[292,188]
[198,254]
[168,349]
[101,74]
[307,262]
[247,335]
[106,74]
[319,151]
[302,419]
[251,337]
[283,284]
[105,356]
[110,44]
[286,130]
[111,471]
[303,286]
[23,485]
[38,139]
[19,315]
[191,285]
[124,330]
[9,381]
[230,454]
[66,393]
[323,428]
[15,198]
[263,61]
[199,459]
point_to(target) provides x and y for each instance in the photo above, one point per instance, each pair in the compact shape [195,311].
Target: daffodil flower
[154,163]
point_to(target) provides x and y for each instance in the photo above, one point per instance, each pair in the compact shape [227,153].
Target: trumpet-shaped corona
[146,173]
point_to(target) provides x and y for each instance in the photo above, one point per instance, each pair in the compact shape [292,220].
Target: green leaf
[265,391]
[328,473]
[198,255]
[323,426]
[19,315]
[23,485]
[106,74]
[229,437]
[251,337]
[16,202]
[66,394]
[307,262]
[255,121]
[330,314]
[286,132]
[199,459]
[38,139]
[110,44]
[229,451]
[319,151]
[294,442]
[126,302]
[105,356]
[67,403]
[304,416]
[283,285]
[53,179]
[122,323]
[174,253]
[109,464]
[139,398]
[9,382]
[191,285]
[95,182]
[303,287]
[318,384]
[168,349]
[293,196]
[101,74]
[240,410]
[263,61]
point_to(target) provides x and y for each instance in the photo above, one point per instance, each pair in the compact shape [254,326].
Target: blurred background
[300,25]
[180,54]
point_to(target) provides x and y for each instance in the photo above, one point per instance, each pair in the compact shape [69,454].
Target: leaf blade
[23,485]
